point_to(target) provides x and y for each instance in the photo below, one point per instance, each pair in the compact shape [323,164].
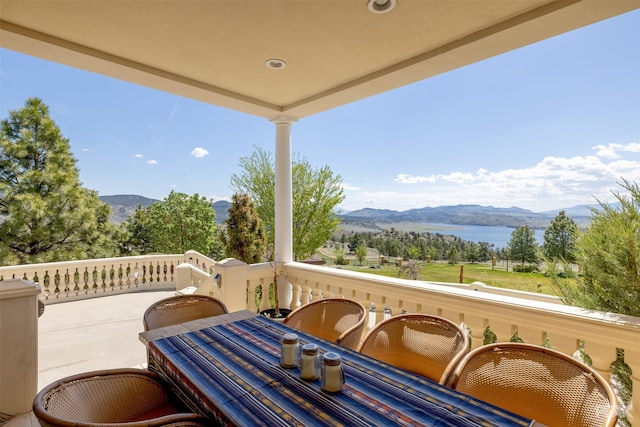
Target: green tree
[177,224]
[361,253]
[609,253]
[522,246]
[316,193]
[453,255]
[45,213]
[413,252]
[560,238]
[243,237]
[473,252]
[355,241]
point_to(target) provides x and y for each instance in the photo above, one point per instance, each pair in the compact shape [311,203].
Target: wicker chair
[180,309]
[421,343]
[536,382]
[116,397]
[335,319]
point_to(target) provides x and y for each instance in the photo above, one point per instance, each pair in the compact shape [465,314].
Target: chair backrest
[335,319]
[536,382]
[128,397]
[421,343]
[180,309]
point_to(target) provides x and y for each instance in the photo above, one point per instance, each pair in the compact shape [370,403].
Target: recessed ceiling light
[381,6]
[275,64]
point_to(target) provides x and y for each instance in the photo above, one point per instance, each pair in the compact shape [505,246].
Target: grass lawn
[444,272]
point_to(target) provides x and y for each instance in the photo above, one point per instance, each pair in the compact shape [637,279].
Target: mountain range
[124,205]
[465,215]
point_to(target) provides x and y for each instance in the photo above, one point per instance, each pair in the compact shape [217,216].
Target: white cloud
[347,186]
[199,152]
[138,156]
[152,162]
[403,178]
[552,183]
[611,151]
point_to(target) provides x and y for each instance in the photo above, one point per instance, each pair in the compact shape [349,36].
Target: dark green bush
[525,268]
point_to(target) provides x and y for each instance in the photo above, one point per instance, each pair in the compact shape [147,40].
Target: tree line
[559,242]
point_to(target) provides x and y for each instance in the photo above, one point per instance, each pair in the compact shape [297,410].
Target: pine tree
[244,237]
[609,253]
[522,246]
[560,238]
[45,213]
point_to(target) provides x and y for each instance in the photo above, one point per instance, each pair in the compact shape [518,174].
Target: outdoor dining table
[227,368]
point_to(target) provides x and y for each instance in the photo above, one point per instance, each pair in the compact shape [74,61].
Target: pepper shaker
[289,351]
[310,362]
[332,375]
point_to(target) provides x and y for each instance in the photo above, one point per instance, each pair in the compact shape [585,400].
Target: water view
[498,236]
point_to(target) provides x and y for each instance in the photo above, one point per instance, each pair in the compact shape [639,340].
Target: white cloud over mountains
[552,183]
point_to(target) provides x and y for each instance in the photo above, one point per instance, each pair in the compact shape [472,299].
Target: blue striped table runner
[231,373]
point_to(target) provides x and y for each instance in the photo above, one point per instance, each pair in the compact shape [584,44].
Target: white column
[283,213]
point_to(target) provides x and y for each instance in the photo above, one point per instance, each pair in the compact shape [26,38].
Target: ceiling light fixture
[275,64]
[381,6]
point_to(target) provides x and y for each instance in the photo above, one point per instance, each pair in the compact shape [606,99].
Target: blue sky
[549,126]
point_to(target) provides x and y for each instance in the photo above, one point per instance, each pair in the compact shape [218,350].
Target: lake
[499,236]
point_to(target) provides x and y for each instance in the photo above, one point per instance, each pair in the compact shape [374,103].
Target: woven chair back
[335,319]
[180,309]
[131,397]
[546,385]
[420,343]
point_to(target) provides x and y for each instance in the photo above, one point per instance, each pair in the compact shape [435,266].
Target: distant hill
[124,205]
[221,207]
[462,215]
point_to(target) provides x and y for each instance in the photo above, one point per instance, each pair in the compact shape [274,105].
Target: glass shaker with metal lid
[310,362]
[289,351]
[332,375]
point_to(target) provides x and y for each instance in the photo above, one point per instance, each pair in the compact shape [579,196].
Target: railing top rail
[471,301]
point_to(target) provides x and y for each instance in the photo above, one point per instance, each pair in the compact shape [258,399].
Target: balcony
[106,297]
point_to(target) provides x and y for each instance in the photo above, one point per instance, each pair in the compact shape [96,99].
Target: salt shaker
[310,362]
[289,351]
[332,375]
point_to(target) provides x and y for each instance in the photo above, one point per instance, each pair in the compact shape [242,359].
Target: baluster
[67,281]
[252,296]
[120,275]
[47,281]
[85,279]
[164,271]
[56,281]
[135,274]
[76,281]
[112,274]
[103,278]
[128,275]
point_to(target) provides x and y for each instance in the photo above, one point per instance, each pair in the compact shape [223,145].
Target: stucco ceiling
[336,51]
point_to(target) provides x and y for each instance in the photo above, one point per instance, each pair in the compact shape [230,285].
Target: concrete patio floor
[87,335]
